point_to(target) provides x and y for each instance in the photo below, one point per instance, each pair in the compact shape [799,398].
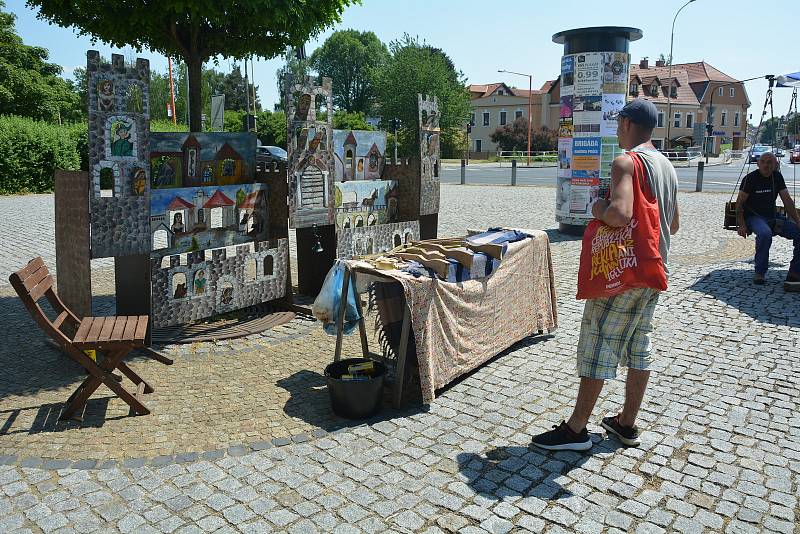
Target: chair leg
[136,379]
[102,374]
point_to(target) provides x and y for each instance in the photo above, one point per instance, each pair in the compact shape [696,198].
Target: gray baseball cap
[641,112]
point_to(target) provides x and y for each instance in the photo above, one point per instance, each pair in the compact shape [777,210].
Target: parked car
[779,152]
[756,151]
[794,155]
[268,154]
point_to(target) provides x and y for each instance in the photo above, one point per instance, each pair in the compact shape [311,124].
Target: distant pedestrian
[756,213]
[616,330]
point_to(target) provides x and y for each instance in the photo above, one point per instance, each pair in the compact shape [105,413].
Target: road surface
[716,178]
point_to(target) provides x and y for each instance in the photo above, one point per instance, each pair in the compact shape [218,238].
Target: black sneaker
[628,435]
[562,438]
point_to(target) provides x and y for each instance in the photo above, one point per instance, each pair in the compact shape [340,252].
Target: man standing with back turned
[616,330]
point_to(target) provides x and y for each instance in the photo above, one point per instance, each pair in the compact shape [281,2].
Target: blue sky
[482,37]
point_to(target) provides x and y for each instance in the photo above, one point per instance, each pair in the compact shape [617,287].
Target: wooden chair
[114,337]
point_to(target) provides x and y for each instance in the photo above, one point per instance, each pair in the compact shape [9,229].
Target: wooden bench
[111,337]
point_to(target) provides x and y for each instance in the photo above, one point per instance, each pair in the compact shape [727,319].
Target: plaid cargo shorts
[616,331]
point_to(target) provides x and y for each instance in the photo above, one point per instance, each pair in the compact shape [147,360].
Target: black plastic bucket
[355,399]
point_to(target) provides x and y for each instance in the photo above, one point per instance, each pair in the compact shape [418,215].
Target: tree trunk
[195,67]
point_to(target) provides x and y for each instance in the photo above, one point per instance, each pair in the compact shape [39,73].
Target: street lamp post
[530,106]
[669,91]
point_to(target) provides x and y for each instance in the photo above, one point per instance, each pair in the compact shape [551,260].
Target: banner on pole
[218,113]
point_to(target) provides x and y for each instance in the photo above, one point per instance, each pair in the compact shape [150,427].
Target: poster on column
[609,150]
[565,128]
[567,75]
[589,74]
[586,157]
[582,194]
[612,104]
[586,115]
[566,107]
[565,157]
[615,72]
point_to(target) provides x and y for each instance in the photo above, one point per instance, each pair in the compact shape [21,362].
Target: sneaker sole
[566,446]
[625,441]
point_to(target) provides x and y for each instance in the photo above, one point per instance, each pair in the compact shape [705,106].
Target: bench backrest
[33,282]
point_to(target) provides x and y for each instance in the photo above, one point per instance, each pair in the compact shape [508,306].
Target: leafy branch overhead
[197,30]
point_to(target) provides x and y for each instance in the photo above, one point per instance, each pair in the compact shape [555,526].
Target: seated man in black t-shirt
[756,213]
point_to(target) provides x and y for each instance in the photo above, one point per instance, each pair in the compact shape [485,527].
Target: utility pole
[253,77]
[172,92]
[246,97]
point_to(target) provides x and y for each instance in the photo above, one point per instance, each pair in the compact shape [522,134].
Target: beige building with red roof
[692,86]
[497,104]
[695,87]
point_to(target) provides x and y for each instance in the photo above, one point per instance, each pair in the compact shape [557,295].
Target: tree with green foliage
[416,67]
[29,85]
[271,128]
[514,136]
[236,94]
[197,30]
[351,58]
[342,120]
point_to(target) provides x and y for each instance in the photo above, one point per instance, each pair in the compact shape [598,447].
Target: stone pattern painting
[361,241]
[309,117]
[429,133]
[119,128]
[201,287]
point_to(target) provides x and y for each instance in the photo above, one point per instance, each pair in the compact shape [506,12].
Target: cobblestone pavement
[720,452]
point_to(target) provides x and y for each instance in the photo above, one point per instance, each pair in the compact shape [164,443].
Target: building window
[660,123]
[634,89]
[502,118]
[732,92]
[478,146]
[689,120]
[472,119]
[724,118]
[676,120]
[719,92]
[673,92]
[500,92]
[517,114]
[485,119]
[736,119]
[654,90]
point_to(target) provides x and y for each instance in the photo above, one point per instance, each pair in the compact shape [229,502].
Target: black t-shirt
[762,193]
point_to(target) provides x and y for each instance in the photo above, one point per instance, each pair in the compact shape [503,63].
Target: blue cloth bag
[327,304]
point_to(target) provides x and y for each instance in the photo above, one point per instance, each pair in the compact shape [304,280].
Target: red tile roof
[684,95]
[178,204]
[700,71]
[488,89]
[218,200]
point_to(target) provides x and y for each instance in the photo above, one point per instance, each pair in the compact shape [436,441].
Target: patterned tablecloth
[459,326]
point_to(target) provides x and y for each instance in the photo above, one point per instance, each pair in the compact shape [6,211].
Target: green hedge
[31,151]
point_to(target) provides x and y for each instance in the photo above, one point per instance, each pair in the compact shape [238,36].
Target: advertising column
[593,88]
